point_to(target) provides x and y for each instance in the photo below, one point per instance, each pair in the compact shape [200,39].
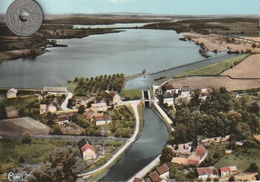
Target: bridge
[146,97]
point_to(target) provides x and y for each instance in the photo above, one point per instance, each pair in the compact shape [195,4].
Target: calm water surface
[128,52]
[144,150]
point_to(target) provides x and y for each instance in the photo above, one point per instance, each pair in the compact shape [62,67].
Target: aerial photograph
[129,90]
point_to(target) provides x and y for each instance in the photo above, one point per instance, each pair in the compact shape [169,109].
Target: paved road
[134,105]
[65,102]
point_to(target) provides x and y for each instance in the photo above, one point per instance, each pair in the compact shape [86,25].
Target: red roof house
[155,177]
[207,172]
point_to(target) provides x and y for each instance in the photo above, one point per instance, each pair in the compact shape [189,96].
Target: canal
[150,143]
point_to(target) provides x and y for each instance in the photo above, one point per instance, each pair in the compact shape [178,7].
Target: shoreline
[18,54]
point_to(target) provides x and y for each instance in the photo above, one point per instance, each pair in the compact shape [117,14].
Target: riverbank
[219,43]
[17,54]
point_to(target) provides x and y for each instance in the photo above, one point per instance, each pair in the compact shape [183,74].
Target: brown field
[246,74]
[220,43]
[199,82]
[20,125]
[249,68]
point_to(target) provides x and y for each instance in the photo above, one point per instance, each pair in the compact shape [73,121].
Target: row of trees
[221,114]
[99,83]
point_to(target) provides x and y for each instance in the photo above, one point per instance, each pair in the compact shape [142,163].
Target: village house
[116,99]
[52,108]
[138,179]
[86,149]
[102,106]
[43,108]
[185,156]
[180,160]
[207,172]
[63,119]
[171,89]
[80,102]
[168,99]
[215,140]
[163,171]
[186,91]
[101,120]
[228,171]
[12,93]
[154,177]
[55,90]
[90,113]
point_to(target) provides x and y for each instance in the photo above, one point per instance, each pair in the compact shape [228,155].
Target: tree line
[219,115]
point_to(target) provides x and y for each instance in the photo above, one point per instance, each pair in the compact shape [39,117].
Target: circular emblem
[24,17]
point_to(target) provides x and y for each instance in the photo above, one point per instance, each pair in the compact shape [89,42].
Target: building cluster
[175,95]
[186,157]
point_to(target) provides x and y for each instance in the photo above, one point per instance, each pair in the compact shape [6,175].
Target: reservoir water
[128,52]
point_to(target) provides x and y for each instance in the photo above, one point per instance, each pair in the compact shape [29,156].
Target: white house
[116,98]
[207,172]
[55,90]
[52,108]
[12,93]
[102,106]
[43,108]
[86,149]
[63,119]
[228,171]
[101,120]
[186,91]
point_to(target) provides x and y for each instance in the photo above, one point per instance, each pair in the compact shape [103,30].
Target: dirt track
[20,125]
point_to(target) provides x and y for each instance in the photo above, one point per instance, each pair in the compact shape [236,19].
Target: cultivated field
[246,74]
[249,68]
[199,82]
[20,125]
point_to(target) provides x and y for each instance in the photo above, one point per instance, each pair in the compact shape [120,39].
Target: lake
[128,52]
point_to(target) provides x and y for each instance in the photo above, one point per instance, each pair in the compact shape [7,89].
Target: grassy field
[241,157]
[131,94]
[35,152]
[214,69]
[19,102]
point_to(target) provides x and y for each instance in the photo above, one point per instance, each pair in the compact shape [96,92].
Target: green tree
[167,155]
[3,114]
[26,137]
[81,109]
[253,167]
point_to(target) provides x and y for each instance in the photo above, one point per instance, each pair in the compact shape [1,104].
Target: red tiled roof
[137,180]
[101,118]
[62,117]
[193,162]
[200,151]
[86,147]
[225,169]
[112,93]
[154,177]
[162,169]
[168,86]
[204,170]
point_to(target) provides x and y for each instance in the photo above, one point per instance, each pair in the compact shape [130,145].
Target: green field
[35,152]
[213,69]
[241,157]
[20,102]
[131,94]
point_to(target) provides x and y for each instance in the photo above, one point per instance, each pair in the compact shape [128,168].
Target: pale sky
[160,7]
